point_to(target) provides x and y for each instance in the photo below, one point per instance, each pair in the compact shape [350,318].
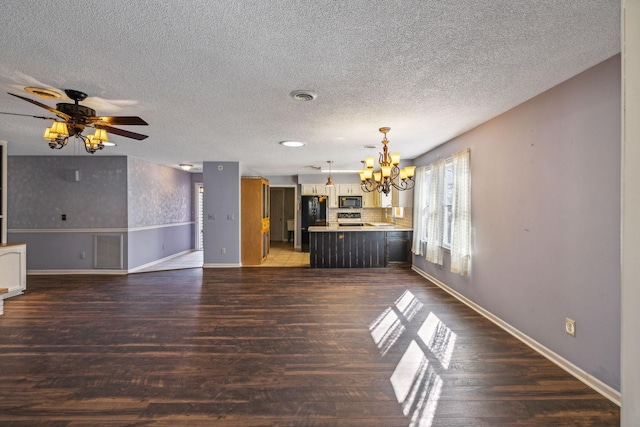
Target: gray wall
[545,180]
[42,189]
[221,181]
[41,192]
[149,245]
[159,196]
[113,194]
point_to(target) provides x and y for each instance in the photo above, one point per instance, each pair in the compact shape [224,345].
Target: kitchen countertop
[336,227]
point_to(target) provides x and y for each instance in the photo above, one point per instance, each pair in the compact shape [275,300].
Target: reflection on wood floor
[249,347]
[281,254]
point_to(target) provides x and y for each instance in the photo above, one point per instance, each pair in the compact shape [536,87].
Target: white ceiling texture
[213,78]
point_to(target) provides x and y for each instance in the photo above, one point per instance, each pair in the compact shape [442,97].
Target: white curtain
[436,213]
[420,210]
[461,212]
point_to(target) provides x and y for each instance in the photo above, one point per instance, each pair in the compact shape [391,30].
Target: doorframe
[199,217]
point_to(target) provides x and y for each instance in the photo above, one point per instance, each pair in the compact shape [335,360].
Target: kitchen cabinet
[370,200]
[395,198]
[365,248]
[320,190]
[333,198]
[349,190]
[313,189]
[398,249]
[355,249]
[13,270]
[255,225]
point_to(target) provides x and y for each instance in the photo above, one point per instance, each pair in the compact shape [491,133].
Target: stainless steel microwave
[349,201]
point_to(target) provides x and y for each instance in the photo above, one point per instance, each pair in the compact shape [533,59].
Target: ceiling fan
[74,118]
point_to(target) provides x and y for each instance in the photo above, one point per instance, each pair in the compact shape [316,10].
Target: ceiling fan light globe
[101,135]
[60,128]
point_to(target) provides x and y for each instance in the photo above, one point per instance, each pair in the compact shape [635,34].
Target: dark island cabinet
[359,249]
[399,248]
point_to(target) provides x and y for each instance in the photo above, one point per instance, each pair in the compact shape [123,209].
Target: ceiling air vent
[303,95]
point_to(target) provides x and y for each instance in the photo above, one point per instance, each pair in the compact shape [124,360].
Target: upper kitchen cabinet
[320,190]
[395,198]
[313,189]
[370,200]
[349,190]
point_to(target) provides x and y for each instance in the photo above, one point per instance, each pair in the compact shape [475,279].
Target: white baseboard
[60,272]
[222,265]
[152,263]
[591,381]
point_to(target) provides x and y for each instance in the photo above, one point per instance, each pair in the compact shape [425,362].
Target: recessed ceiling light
[43,93]
[303,95]
[292,143]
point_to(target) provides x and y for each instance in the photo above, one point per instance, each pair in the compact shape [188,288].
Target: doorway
[283,214]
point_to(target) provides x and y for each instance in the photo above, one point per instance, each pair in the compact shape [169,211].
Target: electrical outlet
[223,251]
[63,217]
[570,326]
[83,255]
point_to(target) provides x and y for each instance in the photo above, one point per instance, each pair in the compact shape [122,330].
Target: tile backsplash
[375,215]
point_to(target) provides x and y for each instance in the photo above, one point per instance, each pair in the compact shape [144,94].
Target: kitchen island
[368,246]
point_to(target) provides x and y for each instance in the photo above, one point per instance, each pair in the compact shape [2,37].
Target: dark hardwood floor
[272,347]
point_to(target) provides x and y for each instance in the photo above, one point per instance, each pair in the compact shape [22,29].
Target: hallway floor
[283,254]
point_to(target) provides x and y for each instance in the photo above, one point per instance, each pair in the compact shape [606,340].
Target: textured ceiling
[212,78]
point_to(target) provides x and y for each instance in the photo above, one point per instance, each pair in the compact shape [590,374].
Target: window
[442,215]
[448,204]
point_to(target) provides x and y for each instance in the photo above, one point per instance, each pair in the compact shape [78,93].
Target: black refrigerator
[314,212]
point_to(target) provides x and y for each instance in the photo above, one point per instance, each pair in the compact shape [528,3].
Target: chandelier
[390,175]
[58,136]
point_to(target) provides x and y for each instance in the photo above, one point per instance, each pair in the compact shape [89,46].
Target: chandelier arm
[406,184]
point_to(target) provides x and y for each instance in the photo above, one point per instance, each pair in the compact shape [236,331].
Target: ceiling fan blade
[122,132]
[46,107]
[29,115]
[119,120]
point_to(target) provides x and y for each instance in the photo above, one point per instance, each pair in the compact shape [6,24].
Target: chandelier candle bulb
[390,175]
[410,171]
[369,162]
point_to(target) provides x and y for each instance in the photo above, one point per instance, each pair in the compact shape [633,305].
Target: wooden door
[278,225]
